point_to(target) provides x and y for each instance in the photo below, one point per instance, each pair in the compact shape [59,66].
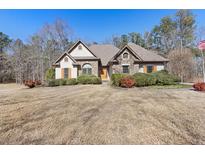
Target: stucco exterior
[81,52]
[66,64]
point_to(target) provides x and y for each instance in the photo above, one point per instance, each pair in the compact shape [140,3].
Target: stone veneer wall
[93,63]
[117,67]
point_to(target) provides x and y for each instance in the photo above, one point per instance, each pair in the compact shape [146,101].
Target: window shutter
[62,73]
[69,73]
[145,69]
[155,68]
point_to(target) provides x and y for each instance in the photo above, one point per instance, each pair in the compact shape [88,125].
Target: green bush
[164,78]
[143,79]
[116,78]
[88,79]
[50,74]
[71,82]
[151,80]
[52,83]
[156,78]
[175,78]
[62,82]
[57,82]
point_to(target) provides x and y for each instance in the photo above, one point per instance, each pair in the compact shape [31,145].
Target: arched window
[125,55]
[66,59]
[87,69]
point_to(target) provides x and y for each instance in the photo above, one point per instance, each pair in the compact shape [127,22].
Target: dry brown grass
[99,114]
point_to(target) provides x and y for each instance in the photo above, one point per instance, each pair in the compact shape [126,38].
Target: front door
[103,74]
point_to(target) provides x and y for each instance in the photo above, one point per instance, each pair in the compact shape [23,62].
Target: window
[140,66]
[66,59]
[65,73]
[125,69]
[149,69]
[125,55]
[80,47]
[87,69]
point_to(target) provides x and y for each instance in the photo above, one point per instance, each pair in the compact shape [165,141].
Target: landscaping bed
[82,79]
[159,78]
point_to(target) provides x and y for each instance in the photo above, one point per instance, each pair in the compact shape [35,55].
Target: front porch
[104,74]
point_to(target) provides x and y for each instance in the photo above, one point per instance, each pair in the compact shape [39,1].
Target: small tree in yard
[201,47]
[181,63]
[50,74]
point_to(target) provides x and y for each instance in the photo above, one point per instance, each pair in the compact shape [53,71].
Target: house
[104,60]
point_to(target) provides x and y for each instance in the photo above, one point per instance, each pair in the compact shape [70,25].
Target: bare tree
[31,60]
[182,64]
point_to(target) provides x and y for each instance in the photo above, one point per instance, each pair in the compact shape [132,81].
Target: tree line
[172,32]
[20,61]
[175,37]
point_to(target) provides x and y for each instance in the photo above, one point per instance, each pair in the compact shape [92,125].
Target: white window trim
[125,64]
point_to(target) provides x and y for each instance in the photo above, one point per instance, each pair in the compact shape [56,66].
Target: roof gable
[62,56]
[126,47]
[79,49]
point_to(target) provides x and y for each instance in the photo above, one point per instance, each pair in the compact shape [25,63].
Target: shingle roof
[84,58]
[146,55]
[105,52]
[62,55]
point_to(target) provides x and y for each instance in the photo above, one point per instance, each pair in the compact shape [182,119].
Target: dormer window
[80,47]
[125,55]
[66,59]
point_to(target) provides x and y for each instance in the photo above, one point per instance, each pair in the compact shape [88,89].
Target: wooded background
[175,37]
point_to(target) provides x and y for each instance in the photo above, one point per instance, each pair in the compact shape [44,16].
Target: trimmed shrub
[62,82]
[71,82]
[38,82]
[115,79]
[151,80]
[57,82]
[51,83]
[88,79]
[199,86]
[127,82]
[164,78]
[143,79]
[32,83]
[50,74]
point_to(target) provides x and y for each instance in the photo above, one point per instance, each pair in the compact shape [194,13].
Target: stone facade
[80,54]
[93,63]
[117,67]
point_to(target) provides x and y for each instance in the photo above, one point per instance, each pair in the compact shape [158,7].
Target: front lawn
[177,86]
[100,114]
